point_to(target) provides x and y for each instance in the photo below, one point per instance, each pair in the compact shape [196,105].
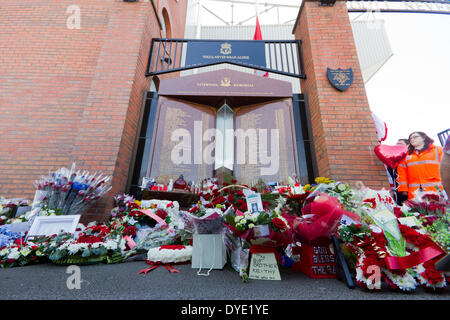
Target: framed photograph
[46,226]
[254,203]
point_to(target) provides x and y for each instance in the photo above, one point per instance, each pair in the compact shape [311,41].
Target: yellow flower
[138,203]
[320,180]
[306,187]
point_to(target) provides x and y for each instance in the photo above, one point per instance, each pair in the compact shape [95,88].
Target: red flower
[132,205]
[10,261]
[254,189]
[231,197]
[398,212]
[172,247]
[170,205]
[219,200]
[130,231]
[194,209]
[209,205]
[161,213]
[278,223]
[431,274]
[431,197]
[233,181]
[207,196]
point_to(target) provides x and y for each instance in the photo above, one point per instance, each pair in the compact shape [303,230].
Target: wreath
[372,253]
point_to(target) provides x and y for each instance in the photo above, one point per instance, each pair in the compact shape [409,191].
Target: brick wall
[343,128]
[73,95]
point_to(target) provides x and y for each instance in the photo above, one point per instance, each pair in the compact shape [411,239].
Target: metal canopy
[278,56]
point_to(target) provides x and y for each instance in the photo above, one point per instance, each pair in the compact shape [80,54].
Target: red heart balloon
[391,155]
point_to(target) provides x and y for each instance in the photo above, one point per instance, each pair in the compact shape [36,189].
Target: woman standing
[420,169]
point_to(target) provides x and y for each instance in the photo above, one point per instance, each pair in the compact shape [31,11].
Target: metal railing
[281,56]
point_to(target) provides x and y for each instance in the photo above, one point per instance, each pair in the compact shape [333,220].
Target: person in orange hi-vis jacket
[420,168]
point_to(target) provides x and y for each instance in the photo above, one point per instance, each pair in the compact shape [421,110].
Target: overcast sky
[411,92]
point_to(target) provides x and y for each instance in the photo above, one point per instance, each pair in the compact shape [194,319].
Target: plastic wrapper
[210,223]
[387,221]
[239,256]
[156,238]
[320,219]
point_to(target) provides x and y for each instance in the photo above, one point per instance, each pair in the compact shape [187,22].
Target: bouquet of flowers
[69,191]
[239,252]
[9,208]
[432,210]
[295,195]
[262,228]
[320,219]
[339,190]
[232,195]
[206,220]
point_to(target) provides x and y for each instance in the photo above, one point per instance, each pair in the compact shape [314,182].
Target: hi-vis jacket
[420,171]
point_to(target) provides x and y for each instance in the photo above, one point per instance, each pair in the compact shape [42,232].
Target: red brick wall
[343,129]
[73,95]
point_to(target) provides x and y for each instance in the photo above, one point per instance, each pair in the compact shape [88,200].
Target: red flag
[258,36]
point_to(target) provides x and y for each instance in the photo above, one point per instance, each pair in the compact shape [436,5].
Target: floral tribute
[19,253]
[266,228]
[9,209]
[391,240]
[70,191]
[94,244]
[433,210]
[167,256]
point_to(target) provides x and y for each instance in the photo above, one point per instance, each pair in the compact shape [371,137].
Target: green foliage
[347,233]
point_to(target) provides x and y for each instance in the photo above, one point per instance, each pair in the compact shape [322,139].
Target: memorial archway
[270,130]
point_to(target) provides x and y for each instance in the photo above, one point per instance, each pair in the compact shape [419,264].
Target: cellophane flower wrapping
[156,237]
[238,251]
[206,220]
[264,229]
[70,191]
[320,219]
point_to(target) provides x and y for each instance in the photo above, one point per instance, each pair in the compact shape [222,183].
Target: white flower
[4,252]
[251,225]
[25,251]
[14,255]
[96,245]
[111,245]
[73,248]
[169,255]
[39,253]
